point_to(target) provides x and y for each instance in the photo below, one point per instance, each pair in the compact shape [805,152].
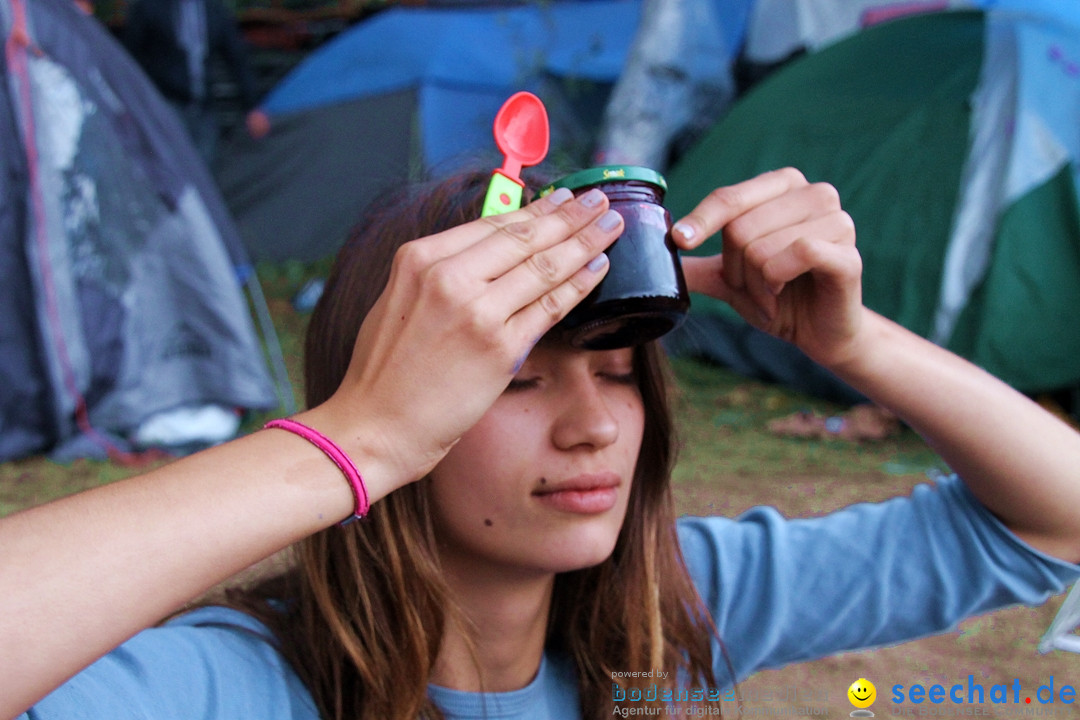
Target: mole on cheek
[488,522]
[543,481]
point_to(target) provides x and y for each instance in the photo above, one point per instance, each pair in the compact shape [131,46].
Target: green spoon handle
[503,195]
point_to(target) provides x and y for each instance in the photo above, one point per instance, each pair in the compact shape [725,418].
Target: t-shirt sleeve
[785,590]
[211,664]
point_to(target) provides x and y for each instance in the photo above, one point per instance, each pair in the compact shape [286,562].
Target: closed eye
[518,384]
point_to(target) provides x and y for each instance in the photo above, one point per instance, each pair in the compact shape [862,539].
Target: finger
[705,275]
[836,266]
[725,204]
[537,317]
[754,259]
[466,257]
[518,242]
[759,232]
[538,274]
[457,239]
[793,213]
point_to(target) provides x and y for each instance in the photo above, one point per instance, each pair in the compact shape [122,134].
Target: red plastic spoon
[522,134]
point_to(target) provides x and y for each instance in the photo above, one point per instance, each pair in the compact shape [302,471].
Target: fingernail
[685,230]
[560,196]
[609,220]
[521,360]
[592,198]
[598,263]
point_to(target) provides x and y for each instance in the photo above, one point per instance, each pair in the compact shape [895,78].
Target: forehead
[552,347]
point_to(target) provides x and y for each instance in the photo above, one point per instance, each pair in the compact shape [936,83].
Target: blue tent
[411,90]
[465,63]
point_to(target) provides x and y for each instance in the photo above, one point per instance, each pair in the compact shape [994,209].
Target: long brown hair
[367,604]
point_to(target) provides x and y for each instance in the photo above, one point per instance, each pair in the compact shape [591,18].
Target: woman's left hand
[789,264]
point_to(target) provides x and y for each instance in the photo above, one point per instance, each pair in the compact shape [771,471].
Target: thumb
[705,275]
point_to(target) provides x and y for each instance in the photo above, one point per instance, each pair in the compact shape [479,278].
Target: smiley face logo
[862,693]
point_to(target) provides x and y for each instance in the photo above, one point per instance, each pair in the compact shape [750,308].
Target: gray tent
[121,273]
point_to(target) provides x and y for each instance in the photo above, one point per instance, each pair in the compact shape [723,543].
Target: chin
[548,547]
[579,550]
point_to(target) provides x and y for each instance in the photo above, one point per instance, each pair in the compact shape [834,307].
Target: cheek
[481,472]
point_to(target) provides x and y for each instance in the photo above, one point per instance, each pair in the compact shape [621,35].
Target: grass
[723,419]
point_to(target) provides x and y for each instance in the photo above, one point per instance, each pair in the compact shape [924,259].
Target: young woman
[521,552]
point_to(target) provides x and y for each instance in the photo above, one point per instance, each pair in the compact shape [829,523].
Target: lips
[588,494]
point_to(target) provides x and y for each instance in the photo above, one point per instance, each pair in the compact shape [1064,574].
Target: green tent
[951,138]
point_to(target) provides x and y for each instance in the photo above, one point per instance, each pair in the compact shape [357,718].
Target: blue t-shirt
[867,575]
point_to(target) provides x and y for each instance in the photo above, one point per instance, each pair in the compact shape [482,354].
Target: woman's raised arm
[790,267]
[462,308]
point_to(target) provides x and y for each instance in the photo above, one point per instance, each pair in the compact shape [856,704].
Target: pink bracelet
[332,451]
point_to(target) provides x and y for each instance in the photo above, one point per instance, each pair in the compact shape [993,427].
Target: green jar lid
[606,173]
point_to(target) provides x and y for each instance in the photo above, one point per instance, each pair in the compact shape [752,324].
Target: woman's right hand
[460,313]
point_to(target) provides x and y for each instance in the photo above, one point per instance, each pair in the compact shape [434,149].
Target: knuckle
[847,225]
[770,275]
[412,256]
[827,194]
[523,233]
[574,215]
[570,212]
[443,279]
[792,175]
[543,266]
[579,285]
[480,322]
[494,222]
[589,244]
[737,234]
[532,209]
[756,254]
[550,305]
[856,264]
[805,249]
[852,263]
[728,198]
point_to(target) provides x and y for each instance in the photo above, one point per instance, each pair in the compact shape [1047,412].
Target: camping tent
[952,140]
[780,29]
[119,293]
[677,80]
[410,90]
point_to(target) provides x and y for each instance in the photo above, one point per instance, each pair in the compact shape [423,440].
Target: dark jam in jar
[643,295]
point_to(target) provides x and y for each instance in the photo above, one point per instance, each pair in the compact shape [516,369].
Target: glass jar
[643,295]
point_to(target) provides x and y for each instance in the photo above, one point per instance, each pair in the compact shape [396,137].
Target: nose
[586,419]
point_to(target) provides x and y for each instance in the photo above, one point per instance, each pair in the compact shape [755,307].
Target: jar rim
[604,174]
